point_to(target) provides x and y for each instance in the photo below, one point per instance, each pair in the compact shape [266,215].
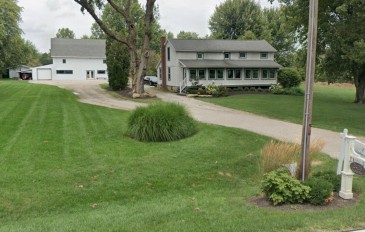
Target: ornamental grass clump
[161,122]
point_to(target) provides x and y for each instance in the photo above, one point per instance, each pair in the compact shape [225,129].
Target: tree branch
[89,8]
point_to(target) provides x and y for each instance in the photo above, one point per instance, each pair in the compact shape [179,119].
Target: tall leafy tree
[45,58]
[187,35]
[65,33]
[11,42]
[233,18]
[280,34]
[340,38]
[129,18]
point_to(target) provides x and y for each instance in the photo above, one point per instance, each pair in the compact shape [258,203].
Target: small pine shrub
[331,177]
[161,122]
[280,188]
[246,89]
[239,89]
[252,89]
[289,77]
[320,191]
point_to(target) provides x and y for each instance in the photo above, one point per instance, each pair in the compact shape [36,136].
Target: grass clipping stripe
[161,122]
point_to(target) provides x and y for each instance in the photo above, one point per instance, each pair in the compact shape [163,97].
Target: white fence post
[346,174]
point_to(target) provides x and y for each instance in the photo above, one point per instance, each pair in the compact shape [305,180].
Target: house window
[242,55]
[101,72]
[255,74]
[265,74]
[200,55]
[201,73]
[64,61]
[212,74]
[169,74]
[227,55]
[168,53]
[220,73]
[184,75]
[196,74]
[233,73]
[64,71]
[230,73]
[251,74]
[215,74]
[272,74]
[193,75]
[237,74]
[263,55]
[160,73]
[268,74]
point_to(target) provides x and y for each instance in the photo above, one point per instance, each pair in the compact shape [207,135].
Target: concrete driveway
[90,92]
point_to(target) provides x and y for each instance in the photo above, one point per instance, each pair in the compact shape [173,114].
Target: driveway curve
[90,92]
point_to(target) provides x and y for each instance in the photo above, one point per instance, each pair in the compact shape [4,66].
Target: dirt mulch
[338,202]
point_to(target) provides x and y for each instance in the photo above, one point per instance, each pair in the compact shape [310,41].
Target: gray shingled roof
[81,48]
[206,45]
[230,64]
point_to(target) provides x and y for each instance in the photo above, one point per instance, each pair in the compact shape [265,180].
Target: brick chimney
[163,62]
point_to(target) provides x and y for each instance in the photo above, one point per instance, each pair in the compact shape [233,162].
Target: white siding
[79,68]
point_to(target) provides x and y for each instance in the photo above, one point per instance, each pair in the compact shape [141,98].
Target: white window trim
[242,58]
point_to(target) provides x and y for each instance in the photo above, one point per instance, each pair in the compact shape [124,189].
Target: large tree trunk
[360,87]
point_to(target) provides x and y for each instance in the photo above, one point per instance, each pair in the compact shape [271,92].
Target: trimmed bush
[331,177]
[289,77]
[321,190]
[280,188]
[161,122]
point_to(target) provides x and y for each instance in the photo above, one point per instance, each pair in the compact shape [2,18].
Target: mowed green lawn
[332,108]
[68,166]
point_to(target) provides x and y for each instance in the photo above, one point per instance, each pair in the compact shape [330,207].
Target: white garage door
[44,74]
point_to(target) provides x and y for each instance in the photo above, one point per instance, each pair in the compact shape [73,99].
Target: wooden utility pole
[309,80]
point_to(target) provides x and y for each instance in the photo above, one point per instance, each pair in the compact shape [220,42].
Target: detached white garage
[44,74]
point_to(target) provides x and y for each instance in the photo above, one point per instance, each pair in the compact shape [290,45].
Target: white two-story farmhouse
[185,62]
[74,59]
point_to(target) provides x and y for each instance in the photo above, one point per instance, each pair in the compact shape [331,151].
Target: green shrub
[276,89]
[202,91]
[280,188]
[289,77]
[253,89]
[320,191]
[296,91]
[246,89]
[212,89]
[161,122]
[192,91]
[217,90]
[331,177]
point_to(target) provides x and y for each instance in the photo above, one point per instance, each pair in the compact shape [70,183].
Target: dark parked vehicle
[151,80]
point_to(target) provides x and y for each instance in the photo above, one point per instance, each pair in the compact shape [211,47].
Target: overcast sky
[42,18]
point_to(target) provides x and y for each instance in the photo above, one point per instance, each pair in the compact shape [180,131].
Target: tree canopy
[65,33]
[10,34]
[233,18]
[187,35]
[341,36]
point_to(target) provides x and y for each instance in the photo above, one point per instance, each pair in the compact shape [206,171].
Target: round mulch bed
[338,202]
